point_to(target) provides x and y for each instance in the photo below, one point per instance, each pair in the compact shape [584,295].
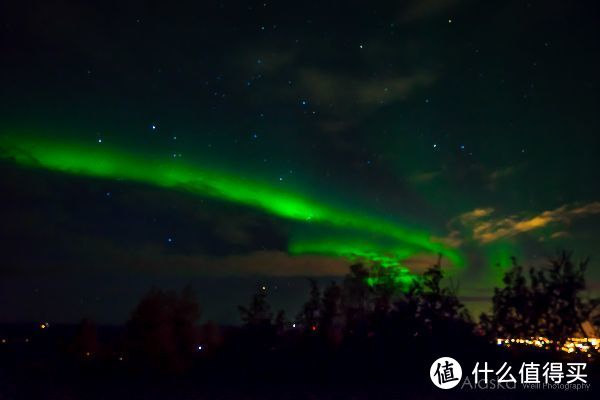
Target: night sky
[231,145]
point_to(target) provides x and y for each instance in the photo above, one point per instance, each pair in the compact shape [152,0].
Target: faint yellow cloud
[485,229]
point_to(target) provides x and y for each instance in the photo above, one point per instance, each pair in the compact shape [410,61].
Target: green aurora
[382,242]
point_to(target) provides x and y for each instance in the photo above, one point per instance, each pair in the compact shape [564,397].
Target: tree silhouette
[85,343]
[259,311]
[435,308]
[310,312]
[548,302]
[512,307]
[331,317]
[439,301]
[280,321]
[259,332]
[162,330]
[357,300]
[386,284]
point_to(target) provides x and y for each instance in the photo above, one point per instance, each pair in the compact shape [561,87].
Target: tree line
[359,313]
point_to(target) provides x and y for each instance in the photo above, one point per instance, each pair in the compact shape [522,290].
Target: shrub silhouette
[162,333]
[548,301]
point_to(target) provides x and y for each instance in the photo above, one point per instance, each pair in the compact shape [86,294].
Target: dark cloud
[99,221]
[415,10]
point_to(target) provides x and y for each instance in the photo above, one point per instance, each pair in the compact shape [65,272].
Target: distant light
[293,325]
[99,140]
[264,288]
[199,348]
[434,145]
[3,341]
[314,328]
[153,127]
[120,358]
[570,345]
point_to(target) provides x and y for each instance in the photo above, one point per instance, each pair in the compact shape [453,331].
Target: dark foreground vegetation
[351,340]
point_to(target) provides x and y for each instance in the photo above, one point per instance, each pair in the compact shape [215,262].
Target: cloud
[453,239]
[499,176]
[420,263]
[342,100]
[559,234]
[261,262]
[475,214]
[483,228]
[354,92]
[502,173]
[417,10]
[424,177]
